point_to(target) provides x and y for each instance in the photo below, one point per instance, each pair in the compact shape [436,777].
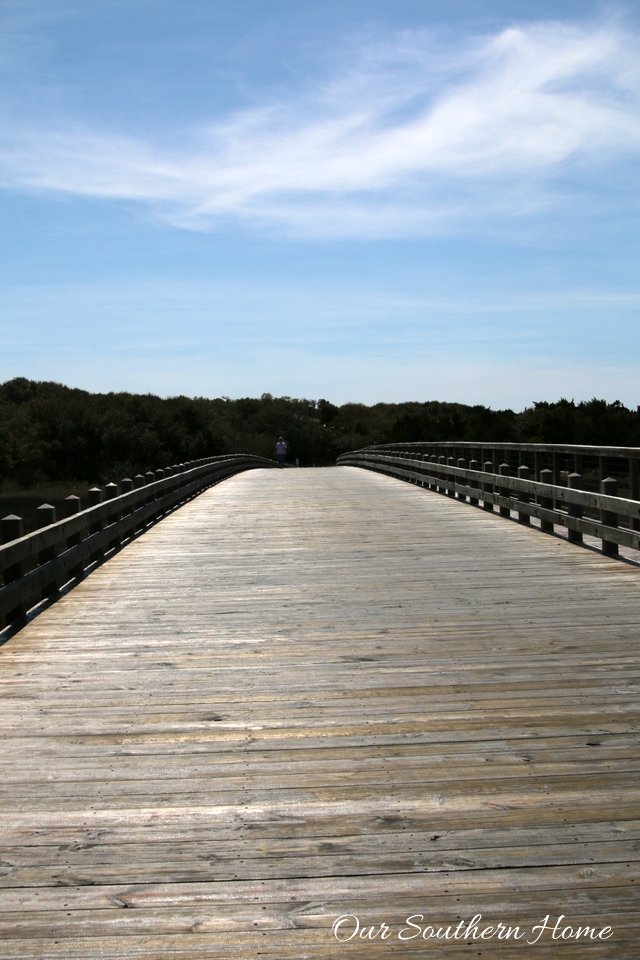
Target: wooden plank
[315,692]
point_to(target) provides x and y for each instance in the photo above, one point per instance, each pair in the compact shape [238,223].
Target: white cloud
[413,138]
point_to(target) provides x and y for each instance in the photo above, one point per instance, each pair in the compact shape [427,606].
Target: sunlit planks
[318,692]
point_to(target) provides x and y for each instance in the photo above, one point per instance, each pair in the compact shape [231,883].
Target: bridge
[238,704]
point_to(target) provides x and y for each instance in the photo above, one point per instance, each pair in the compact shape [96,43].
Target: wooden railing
[36,566]
[534,491]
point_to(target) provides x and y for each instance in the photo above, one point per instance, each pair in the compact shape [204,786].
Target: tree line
[53,433]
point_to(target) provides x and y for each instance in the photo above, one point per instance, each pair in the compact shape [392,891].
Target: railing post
[12,528]
[420,457]
[634,488]
[546,476]
[72,505]
[574,481]
[473,465]
[462,464]
[138,481]
[505,471]
[110,492]
[95,497]
[441,463]
[450,478]
[488,487]
[603,468]
[159,475]
[523,474]
[608,517]
[433,485]
[45,515]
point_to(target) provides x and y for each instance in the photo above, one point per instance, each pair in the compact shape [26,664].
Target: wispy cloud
[413,137]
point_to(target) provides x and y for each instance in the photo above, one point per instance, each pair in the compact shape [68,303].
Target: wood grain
[316,692]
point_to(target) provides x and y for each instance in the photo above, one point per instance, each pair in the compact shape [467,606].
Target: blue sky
[360,201]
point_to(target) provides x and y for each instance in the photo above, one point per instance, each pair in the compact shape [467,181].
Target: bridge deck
[309,693]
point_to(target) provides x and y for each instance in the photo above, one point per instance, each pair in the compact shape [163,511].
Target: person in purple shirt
[281,449]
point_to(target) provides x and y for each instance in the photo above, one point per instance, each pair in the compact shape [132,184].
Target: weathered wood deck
[322,692]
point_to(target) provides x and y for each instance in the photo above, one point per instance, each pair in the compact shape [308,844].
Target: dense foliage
[51,433]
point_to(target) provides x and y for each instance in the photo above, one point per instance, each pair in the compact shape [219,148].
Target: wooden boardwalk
[310,693]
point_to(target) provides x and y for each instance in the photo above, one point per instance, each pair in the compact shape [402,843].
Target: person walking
[281,449]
